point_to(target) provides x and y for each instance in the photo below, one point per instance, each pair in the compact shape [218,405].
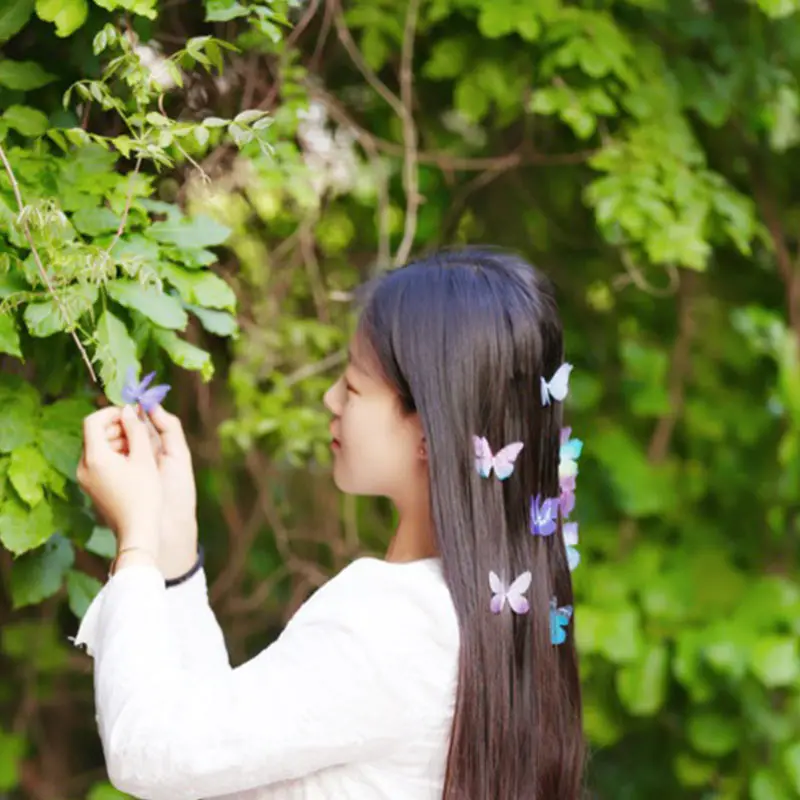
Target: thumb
[137,435]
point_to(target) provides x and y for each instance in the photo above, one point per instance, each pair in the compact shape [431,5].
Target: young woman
[430,675]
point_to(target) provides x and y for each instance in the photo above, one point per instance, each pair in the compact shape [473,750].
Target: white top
[354,700]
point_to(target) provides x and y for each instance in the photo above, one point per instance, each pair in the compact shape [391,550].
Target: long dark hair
[464,337]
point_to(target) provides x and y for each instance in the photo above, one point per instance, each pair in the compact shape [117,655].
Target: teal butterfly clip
[559,620]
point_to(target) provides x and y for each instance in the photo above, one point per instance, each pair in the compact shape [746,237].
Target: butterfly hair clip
[558,386]
[513,594]
[502,462]
[570,533]
[544,515]
[559,620]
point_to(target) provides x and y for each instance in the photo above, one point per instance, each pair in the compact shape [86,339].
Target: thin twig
[128,203]
[315,277]
[447,161]
[635,275]
[308,370]
[410,164]
[372,79]
[42,272]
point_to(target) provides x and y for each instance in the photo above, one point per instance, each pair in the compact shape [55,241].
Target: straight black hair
[464,338]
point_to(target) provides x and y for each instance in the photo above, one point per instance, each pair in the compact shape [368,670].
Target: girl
[395,681]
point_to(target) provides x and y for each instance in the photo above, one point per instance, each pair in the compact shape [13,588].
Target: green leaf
[67,15]
[60,433]
[642,685]
[19,413]
[14,15]
[448,59]
[45,319]
[201,288]
[219,323]
[713,734]
[163,309]
[13,746]
[224,10]
[9,336]
[102,542]
[23,529]
[95,221]
[774,661]
[24,75]
[29,473]
[144,8]
[791,760]
[768,785]
[81,590]
[777,9]
[200,231]
[116,352]
[184,354]
[39,574]
[26,120]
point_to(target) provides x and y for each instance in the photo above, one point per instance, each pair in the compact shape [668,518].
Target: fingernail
[127,412]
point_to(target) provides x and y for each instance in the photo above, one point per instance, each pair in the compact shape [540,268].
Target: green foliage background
[197,188]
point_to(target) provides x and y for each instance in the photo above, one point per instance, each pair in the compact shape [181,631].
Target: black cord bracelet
[201,557]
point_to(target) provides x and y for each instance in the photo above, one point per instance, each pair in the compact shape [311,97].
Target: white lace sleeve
[196,630]
[329,691]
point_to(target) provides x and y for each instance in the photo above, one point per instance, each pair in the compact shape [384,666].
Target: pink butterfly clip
[512,593]
[502,462]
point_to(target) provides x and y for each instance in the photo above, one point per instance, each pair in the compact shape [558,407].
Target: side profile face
[377,449]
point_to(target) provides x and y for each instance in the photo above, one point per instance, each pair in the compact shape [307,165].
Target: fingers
[171,431]
[136,432]
[94,431]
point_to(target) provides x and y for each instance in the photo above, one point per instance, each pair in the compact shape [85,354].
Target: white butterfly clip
[569,530]
[502,462]
[513,593]
[558,386]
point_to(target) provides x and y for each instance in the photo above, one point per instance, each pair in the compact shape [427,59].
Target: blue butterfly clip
[559,619]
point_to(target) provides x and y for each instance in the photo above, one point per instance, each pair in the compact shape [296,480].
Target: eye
[349,386]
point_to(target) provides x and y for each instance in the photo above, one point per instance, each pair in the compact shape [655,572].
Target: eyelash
[348,386]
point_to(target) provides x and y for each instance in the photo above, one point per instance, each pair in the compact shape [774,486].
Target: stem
[42,272]
[128,202]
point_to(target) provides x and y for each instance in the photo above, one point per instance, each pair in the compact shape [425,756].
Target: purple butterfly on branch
[142,393]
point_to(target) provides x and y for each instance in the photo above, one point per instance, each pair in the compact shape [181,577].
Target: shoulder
[397,606]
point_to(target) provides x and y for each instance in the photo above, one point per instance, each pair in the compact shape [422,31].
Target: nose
[330,400]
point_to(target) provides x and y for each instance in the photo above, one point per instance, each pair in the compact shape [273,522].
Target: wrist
[178,554]
[132,555]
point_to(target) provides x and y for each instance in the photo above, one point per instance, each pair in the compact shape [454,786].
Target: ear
[422,451]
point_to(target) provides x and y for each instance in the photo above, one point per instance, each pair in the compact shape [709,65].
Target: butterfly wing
[545,392]
[499,597]
[572,449]
[558,385]
[573,558]
[153,397]
[570,532]
[130,390]
[505,458]
[483,456]
[516,599]
[559,619]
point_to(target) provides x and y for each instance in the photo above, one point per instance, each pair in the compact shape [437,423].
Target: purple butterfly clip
[544,514]
[147,398]
[513,593]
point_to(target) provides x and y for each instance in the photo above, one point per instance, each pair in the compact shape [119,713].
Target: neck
[414,538]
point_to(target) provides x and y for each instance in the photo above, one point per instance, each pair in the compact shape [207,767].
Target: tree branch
[410,163]
[680,360]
